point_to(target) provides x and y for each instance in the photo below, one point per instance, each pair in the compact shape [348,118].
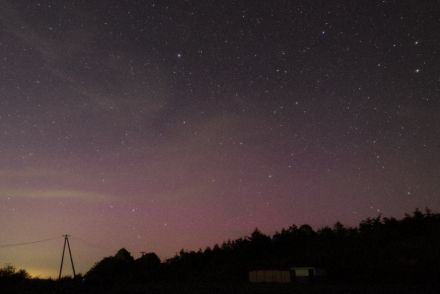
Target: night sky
[161,125]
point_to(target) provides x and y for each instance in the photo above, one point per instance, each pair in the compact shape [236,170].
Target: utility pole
[66,242]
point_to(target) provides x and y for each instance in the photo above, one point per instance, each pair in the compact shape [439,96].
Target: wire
[91,244]
[27,243]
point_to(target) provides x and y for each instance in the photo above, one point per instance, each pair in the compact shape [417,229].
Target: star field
[161,125]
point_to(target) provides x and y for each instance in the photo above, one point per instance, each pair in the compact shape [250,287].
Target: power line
[93,245]
[28,243]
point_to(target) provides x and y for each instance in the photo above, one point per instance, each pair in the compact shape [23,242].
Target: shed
[270,276]
[305,274]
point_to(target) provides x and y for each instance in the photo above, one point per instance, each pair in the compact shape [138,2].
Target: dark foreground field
[49,287]
[280,289]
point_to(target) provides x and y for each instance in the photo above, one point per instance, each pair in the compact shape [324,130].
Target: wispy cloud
[52,194]
[63,56]
[30,172]
[52,184]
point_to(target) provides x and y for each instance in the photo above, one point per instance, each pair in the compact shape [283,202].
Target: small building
[306,273]
[270,276]
[293,274]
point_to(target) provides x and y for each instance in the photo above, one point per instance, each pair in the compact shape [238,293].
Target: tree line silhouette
[380,249]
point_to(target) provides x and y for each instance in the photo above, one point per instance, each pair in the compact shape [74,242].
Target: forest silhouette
[380,250]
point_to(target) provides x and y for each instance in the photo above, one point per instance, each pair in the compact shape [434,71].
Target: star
[158,116]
